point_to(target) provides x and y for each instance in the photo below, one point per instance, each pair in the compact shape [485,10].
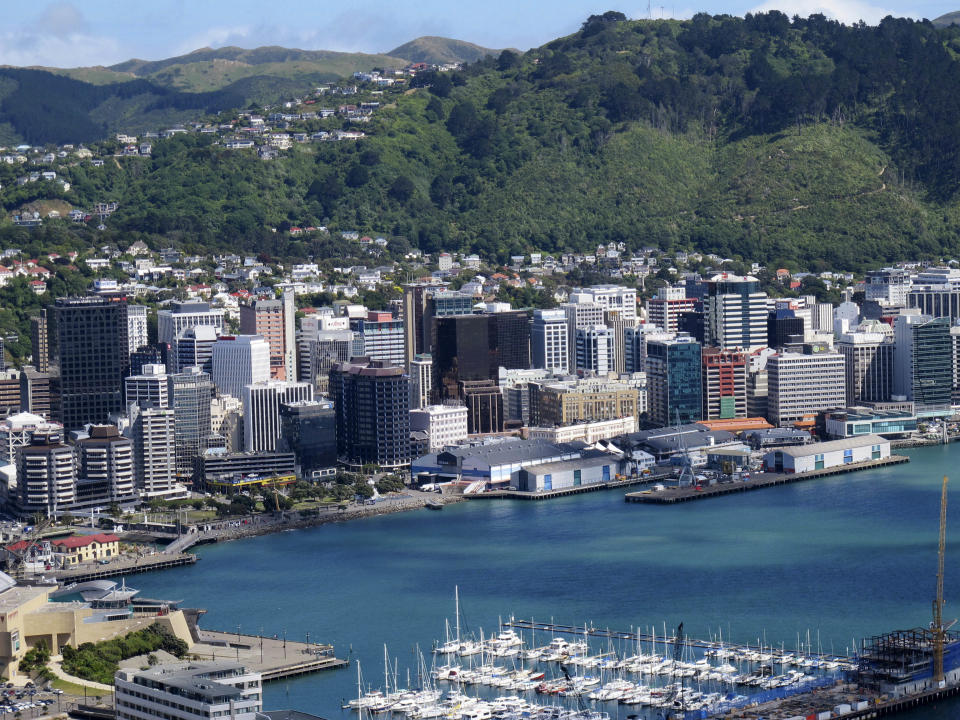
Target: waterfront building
[136,327]
[238,361]
[105,467]
[181,315]
[736,312]
[193,691]
[421,381]
[308,429]
[868,363]
[380,337]
[372,401]
[923,362]
[826,455]
[274,321]
[93,357]
[150,389]
[46,475]
[674,392]
[595,349]
[800,385]
[219,470]
[593,468]
[724,384]
[548,340]
[190,393]
[668,306]
[443,424]
[16,431]
[853,421]
[261,411]
[193,346]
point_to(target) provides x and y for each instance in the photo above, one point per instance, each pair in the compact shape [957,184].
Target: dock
[562,492]
[671,495]
[123,566]
[273,657]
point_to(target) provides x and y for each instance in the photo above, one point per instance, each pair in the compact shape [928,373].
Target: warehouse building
[595,467]
[822,456]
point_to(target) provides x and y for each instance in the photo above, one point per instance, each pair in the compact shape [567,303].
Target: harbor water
[843,557]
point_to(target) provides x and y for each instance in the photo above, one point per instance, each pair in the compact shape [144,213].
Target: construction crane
[937,629]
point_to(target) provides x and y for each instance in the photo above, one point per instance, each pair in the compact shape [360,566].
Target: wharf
[273,657]
[549,494]
[123,566]
[672,495]
[636,635]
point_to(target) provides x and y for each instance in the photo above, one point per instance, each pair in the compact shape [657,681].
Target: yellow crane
[937,628]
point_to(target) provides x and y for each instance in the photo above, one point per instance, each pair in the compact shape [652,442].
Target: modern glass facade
[674,381]
[309,430]
[932,364]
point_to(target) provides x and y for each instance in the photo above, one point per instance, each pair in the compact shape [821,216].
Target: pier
[561,492]
[671,495]
[636,635]
[123,566]
[274,657]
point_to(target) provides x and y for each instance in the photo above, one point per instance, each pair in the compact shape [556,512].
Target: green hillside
[803,143]
[439,50]
[951,18]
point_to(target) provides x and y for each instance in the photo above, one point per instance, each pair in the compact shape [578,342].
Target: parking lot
[31,701]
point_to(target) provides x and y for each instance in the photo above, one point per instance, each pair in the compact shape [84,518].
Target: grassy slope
[432,49]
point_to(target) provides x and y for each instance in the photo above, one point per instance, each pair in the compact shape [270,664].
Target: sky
[61,33]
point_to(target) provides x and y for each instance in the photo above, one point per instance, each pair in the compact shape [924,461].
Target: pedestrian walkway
[55,667]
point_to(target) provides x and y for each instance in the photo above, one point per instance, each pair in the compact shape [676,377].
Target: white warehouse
[822,456]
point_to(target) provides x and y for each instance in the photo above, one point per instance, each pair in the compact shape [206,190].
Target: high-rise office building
[150,389]
[194,347]
[618,325]
[484,403]
[93,357]
[548,340]
[190,392]
[274,321]
[414,304]
[46,475]
[105,467]
[381,337]
[609,297]
[40,393]
[724,384]
[868,366]
[595,349]
[40,341]
[441,302]
[888,286]
[308,429]
[181,315]
[443,424]
[783,327]
[475,347]
[153,432]
[237,361]
[670,303]
[372,401]
[421,381]
[136,327]
[320,353]
[148,355]
[923,361]
[736,313]
[800,385]
[579,315]
[261,411]
[674,381]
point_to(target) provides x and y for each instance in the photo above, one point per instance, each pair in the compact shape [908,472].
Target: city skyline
[101,32]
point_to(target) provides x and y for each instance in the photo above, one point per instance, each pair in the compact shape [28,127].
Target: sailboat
[452,646]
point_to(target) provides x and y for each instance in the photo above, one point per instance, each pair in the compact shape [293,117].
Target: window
[875,452]
[847,456]
[548,482]
[577,480]
[818,462]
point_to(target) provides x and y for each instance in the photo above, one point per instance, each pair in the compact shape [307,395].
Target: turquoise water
[843,557]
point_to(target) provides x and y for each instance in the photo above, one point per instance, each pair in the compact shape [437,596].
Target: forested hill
[800,142]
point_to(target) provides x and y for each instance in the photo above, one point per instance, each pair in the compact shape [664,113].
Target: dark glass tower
[93,357]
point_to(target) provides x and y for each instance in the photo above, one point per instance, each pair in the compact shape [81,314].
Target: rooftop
[834,445]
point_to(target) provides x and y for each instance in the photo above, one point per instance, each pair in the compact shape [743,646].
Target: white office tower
[182,315]
[736,313]
[868,359]
[193,346]
[289,334]
[549,338]
[801,385]
[845,317]
[579,315]
[443,424]
[888,286]
[136,327]
[105,462]
[261,411]
[226,420]
[421,380]
[822,314]
[154,450]
[595,349]
[666,309]
[239,360]
[609,297]
[149,389]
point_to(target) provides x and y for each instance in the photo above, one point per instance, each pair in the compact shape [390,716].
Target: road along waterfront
[845,557]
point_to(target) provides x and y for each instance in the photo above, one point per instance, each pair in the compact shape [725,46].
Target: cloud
[58,36]
[846,11]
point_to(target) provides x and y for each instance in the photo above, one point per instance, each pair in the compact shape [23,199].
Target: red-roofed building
[86,548]
[36,556]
